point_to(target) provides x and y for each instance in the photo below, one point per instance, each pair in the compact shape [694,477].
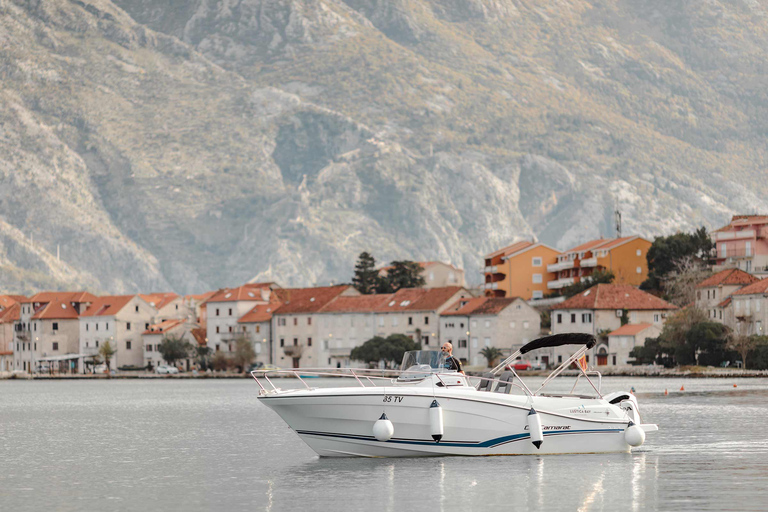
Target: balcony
[491,270]
[589,262]
[293,350]
[735,235]
[491,286]
[557,267]
[560,283]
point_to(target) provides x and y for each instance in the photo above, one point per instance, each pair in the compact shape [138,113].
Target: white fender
[383,430]
[436,421]
[634,435]
[534,427]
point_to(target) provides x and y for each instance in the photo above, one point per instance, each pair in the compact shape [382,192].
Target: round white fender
[534,428]
[634,435]
[383,430]
[436,421]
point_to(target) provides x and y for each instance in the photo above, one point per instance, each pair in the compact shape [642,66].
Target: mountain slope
[199,143]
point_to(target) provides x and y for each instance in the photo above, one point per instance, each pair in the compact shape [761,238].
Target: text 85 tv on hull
[427,410]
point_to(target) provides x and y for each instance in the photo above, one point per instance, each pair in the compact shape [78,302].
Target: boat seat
[505,383]
[485,385]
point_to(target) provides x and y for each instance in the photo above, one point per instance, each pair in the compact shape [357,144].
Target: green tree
[599,276]
[743,345]
[690,338]
[202,353]
[106,352]
[244,353]
[491,354]
[405,274]
[668,252]
[366,276]
[387,349]
[220,361]
[174,348]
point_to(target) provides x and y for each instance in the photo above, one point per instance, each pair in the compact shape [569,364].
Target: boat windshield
[423,362]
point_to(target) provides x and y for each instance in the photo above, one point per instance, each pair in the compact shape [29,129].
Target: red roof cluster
[615,296]
[307,300]
[260,313]
[163,327]
[10,314]
[76,297]
[733,276]
[56,310]
[159,300]
[247,292]
[109,305]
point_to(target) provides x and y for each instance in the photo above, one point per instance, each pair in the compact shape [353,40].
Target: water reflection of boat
[428,410]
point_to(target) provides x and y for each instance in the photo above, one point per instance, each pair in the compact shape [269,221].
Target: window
[217,329]
[218,347]
[245,328]
[146,326]
[282,342]
[295,342]
[639,270]
[614,357]
[381,321]
[474,342]
[258,329]
[537,278]
[137,308]
[559,318]
[525,325]
[573,318]
[230,311]
[217,311]
[128,345]
[309,342]
[127,326]
[149,348]
[394,321]
[721,314]
[229,347]
[474,323]
[107,327]
[487,342]
[512,325]
[639,253]
[586,318]
[86,327]
[309,320]
[55,326]
[295,321]
[97,343]
[536,262]
[34,327]
[55,345]
[462,343]
[410,320]
[230,328]
[97,326]
[698,294]
[281,322]
[538,294]
[487,324]
[426,320]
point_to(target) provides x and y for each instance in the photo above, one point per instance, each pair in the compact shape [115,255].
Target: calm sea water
[209,445]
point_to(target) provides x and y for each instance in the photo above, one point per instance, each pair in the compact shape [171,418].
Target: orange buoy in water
[666,392]
[735,385]
[682,388]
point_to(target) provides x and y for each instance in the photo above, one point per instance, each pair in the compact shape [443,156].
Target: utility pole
[617,216]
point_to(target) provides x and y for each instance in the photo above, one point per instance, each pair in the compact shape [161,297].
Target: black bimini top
[557,340]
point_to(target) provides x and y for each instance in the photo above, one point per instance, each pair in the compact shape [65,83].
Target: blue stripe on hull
[491,443]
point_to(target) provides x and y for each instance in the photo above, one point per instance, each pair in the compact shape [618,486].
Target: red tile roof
[615,296]
[733,276]
[202,297]
[307,300]
[159,300]
[56,310]
[163,327]
[10,314]
[260,313]
[358,303]
[420,299]
[479,306]
[630,329]
[744,220]
[248,292]
[761,286]
[44,297]
[6,301]
[510,249]
[724,303]
[108,305]
[592,244]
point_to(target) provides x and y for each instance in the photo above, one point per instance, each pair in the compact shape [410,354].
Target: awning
[65,357]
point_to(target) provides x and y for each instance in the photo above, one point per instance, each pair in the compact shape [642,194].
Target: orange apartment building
[520,270]
[625,257]
[743,244]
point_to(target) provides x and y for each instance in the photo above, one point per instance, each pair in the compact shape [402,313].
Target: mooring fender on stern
[383,430]
[436,421]
[534,427]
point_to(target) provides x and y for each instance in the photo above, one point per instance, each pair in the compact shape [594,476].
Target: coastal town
[529,289]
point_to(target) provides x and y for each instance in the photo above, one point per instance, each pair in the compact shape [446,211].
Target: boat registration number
[392,398]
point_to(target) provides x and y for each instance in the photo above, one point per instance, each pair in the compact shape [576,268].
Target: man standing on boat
[451,362]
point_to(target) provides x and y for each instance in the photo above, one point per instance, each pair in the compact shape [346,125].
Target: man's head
[447,348]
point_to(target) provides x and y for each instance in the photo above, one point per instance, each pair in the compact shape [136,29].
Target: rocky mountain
[193,144]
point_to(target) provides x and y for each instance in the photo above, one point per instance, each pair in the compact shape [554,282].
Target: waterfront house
[750,309]
[519,270]
[713,294]
[743,244]
[157,332]
[470,324]
[602,309]
[436,274]
[625,257]
[256,327]
[225,307]
[119,320]
[10,310]
[623,340]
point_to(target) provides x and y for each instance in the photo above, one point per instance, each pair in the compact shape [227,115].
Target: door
[602,359]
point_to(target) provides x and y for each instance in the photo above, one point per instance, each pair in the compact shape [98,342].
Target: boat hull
[339,423]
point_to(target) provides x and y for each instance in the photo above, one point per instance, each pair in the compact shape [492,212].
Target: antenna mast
[617,214]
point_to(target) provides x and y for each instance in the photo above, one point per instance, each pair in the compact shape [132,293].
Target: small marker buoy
[682,388]
[735,385]
[632,390]
[666,392]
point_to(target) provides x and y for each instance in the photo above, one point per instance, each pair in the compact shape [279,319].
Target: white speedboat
[427,410]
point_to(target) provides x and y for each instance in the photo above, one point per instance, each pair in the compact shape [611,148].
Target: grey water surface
[209,445]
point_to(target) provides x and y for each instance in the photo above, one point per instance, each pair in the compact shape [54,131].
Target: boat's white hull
[339,422]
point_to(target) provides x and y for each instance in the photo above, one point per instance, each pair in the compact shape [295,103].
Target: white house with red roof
[472,323]
[226,307]
[750,309]
[47,330]
[743,244]
[154,335]
[713,295]
[602,309]
[623,340]
[170,306]
[256,326]
[119,320]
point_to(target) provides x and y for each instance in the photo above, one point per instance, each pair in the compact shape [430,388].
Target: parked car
[520,364]
[255,366]
[165,369]
[538,365]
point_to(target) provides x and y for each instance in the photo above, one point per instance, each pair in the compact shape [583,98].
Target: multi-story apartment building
[625,338]
[437,274]
[520,270]
[602,309]
[713,294]
[46,332]
[119,320]
[474,323]
[750,309]
[743,244]
[154,336]
[625,257]
[226,307]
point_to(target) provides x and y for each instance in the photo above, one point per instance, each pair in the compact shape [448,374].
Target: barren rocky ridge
[193,144]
